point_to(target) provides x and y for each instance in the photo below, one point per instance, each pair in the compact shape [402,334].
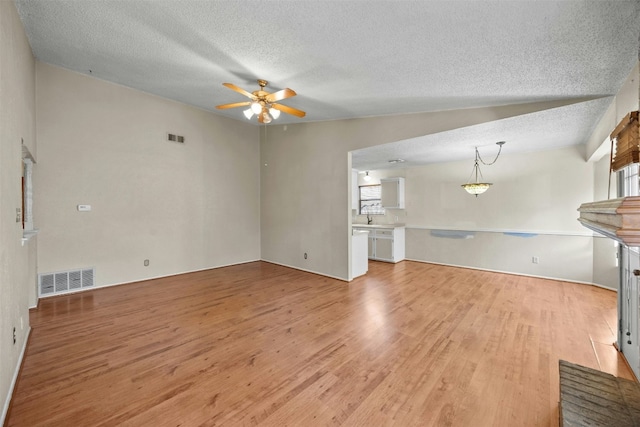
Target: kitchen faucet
[369,219]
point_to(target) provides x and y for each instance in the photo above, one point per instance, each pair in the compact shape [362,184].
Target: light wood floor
[410,344]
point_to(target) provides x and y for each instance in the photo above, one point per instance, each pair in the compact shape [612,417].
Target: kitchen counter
[377,225]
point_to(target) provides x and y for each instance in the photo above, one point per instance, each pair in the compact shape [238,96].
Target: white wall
[17,262]
[182,206]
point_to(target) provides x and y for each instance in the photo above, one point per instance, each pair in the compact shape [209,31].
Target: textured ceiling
[349,59]
[544,130]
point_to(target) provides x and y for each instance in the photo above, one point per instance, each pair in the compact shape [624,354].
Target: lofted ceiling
[349,59]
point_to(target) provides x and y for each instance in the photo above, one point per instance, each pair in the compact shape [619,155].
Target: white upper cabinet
[393,192]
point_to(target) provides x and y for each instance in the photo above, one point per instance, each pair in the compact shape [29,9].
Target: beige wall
[533,193]
[306,176]
[305,200]
[562,257]
[605,250]
[627,99]
[184,206]
[598,149]
[219,199]
[546,209]
[17,262]
[560,180]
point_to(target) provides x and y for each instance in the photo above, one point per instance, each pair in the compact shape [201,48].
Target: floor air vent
[65,281]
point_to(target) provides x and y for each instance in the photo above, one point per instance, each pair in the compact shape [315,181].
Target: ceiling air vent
[175,138]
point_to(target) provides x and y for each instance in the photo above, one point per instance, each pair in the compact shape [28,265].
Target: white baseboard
[75,291]
[191,271]
[7,400]
[514,273]
[305,270]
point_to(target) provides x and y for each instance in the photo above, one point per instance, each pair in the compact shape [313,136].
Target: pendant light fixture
[478,187]
[367,177]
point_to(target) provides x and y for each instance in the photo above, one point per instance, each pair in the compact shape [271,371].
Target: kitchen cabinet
[359,258]
[392,192]
[385,244]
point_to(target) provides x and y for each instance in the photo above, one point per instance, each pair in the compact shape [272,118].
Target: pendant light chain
[494,160]
[476,168]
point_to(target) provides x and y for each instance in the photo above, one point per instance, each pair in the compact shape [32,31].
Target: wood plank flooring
[409,344]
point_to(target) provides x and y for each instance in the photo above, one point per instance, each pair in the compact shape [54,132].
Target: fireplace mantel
[618,219]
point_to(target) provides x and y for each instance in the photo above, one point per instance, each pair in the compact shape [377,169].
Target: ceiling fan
[263,104]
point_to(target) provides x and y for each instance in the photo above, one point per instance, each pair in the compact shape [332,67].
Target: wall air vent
[175,138]
[65,281]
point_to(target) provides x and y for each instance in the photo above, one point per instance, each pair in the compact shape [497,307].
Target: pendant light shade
[256,107]
[477,187]
[266,118]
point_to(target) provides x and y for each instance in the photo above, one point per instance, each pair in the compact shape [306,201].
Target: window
[628,186]
[371,200]
[628,181]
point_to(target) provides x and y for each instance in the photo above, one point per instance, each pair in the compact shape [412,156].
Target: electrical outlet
[146,263]
[305,255]
[14,335]
[535,260]
[18,215]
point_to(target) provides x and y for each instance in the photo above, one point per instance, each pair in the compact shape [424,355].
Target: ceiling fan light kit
[256,108]
[478,187]
[263,104]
